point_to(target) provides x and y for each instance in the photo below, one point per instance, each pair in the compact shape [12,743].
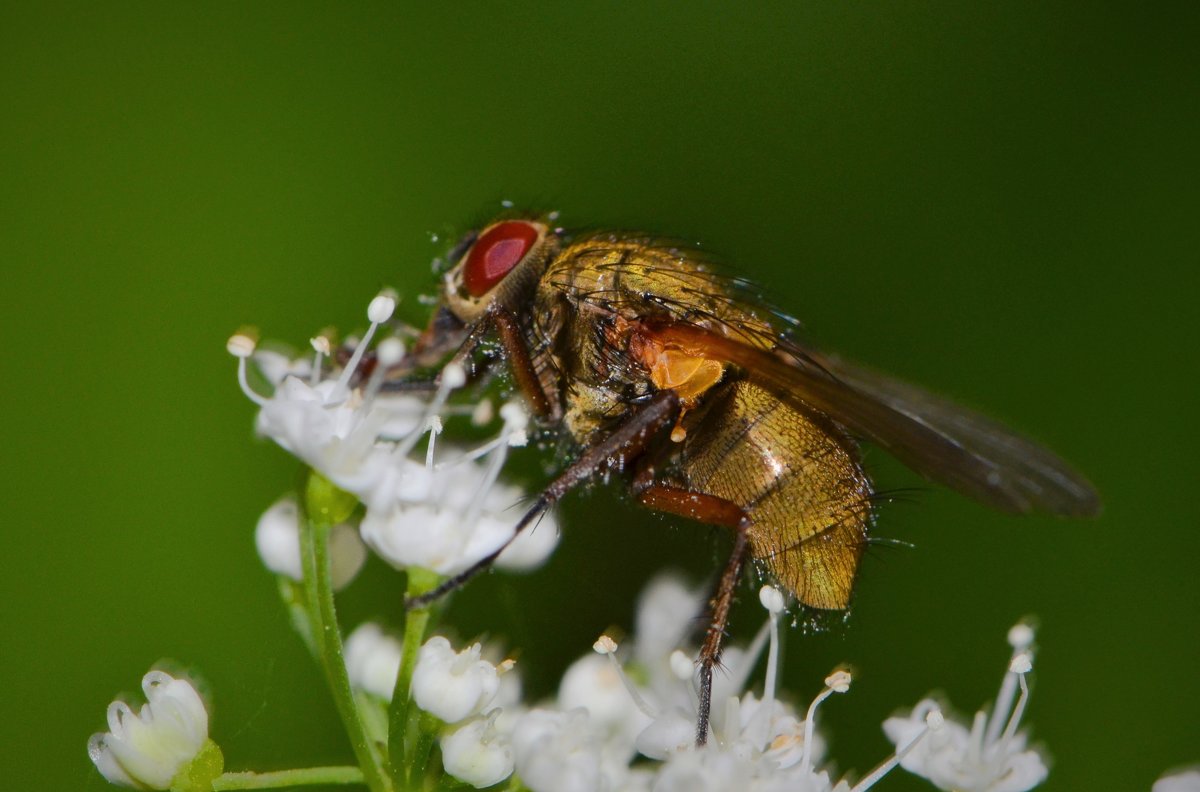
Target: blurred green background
[997,202]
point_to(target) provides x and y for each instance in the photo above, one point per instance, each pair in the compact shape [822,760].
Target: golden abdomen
[798,479]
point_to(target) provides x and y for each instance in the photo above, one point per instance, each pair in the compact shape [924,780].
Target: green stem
[416,622]
[308,776]
[418,762]
[325,506]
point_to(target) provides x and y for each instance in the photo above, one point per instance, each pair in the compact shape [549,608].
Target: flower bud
[147,749]
[453,686]
[477,754]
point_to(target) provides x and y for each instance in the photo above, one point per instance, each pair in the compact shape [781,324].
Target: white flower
[1185,781]
[668,611]
[477,753]
[464,516]
[441,516]
[563,752]
[453,685]
[277,538]
[145,750]
[990,756]
[373,660]
[276,366]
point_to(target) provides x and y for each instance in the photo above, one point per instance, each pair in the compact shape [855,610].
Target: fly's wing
[935,437]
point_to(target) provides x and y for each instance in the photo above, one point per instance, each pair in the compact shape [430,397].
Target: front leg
[621,447]
[515,350]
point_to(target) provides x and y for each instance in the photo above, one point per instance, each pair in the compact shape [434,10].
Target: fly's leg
[625,443]
[519,361]
[516,352]
[714,511]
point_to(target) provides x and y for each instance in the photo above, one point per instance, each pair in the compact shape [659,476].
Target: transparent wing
[935,437]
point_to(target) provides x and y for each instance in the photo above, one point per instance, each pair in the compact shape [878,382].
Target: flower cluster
[437,515]
[606,731]
[623,718]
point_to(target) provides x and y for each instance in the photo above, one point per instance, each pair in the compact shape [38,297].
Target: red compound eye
[495,254]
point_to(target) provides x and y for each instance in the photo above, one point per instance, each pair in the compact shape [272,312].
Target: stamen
[933,722]
[241,345]
[738,680]
[322,348]
[975,744]
[388,353]
[837,682]
[1020,666]
[513,433]
[453,376]
[1020,637]
[482,413]
[474,453]
[772,600]
[515,420]
[607,646]
[379,311]
[435,429]
[495,463]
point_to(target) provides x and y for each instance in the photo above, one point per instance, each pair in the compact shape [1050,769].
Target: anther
[1022,663]
[771,599]
[382,307]
[379,311]
[604,645]
[1020,636]
[241,345]
[607,647]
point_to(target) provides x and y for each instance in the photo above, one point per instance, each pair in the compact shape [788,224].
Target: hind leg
[714,511]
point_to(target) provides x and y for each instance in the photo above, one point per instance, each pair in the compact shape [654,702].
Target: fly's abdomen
[797,478]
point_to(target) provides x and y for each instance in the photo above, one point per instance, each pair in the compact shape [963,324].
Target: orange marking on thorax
[674,367]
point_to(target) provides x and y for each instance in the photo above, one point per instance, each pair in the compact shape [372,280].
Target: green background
[999,203]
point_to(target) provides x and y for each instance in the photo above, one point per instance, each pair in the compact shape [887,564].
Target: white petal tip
[935,720]
[681,665]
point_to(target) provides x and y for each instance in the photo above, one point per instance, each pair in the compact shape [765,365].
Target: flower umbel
[420,512]
[381,477]
[990,755]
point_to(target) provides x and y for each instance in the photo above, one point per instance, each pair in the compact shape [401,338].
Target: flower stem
[325,506]
[418,762]
[416,622]
[308,776]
